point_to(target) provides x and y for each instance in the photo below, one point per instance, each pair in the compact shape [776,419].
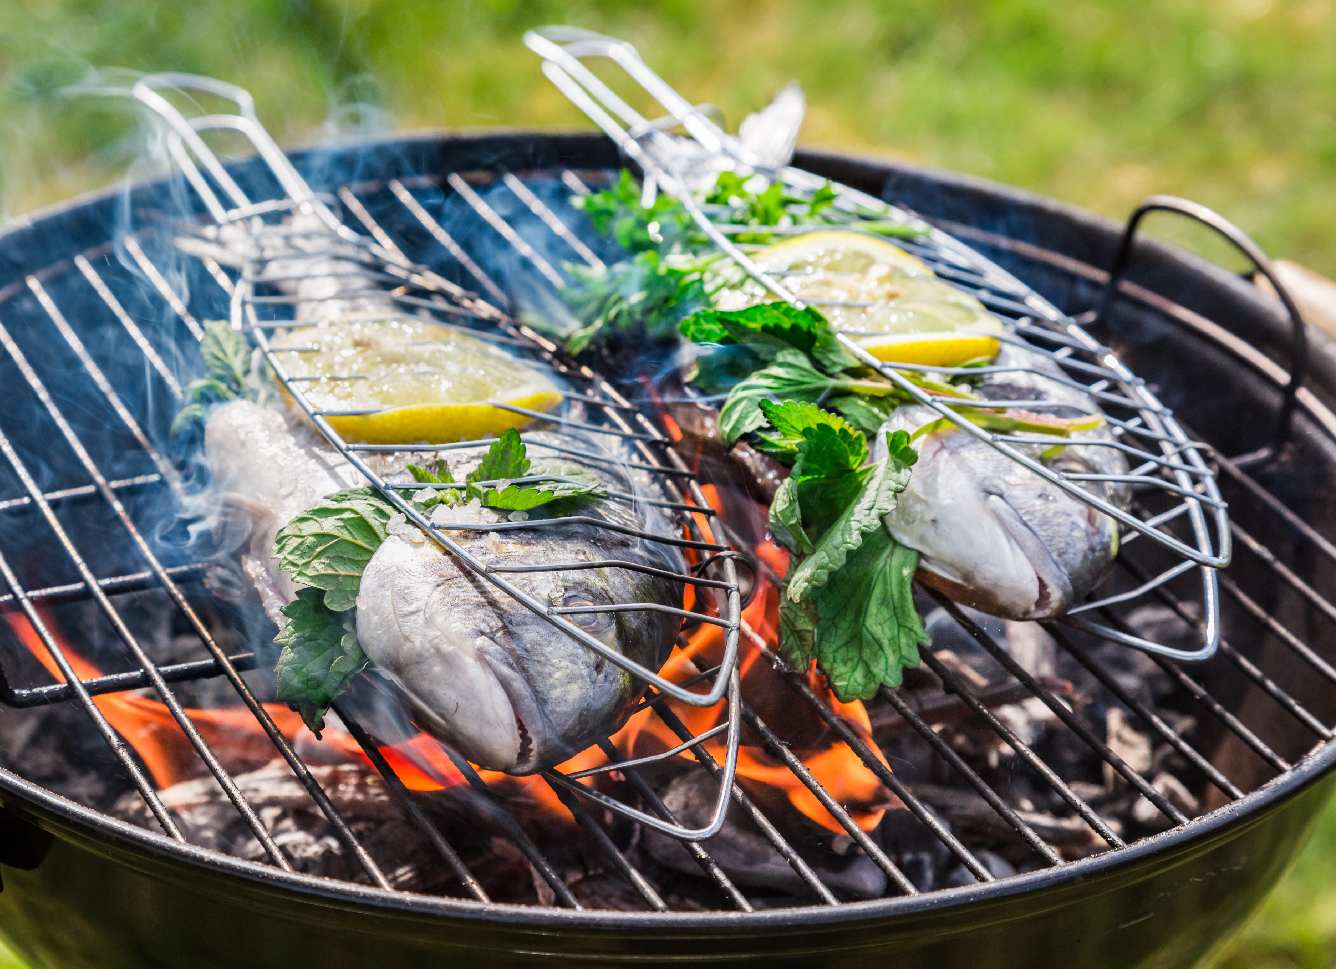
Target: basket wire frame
[418,290]
[1166,462]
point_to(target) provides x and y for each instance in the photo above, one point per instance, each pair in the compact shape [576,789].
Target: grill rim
[594,151]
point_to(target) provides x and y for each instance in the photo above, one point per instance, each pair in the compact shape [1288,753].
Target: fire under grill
[1019,755]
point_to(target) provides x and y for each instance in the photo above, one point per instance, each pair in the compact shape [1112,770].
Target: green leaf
[864,630]
[868,414]
[770,327]
[319,659]
[797,632]
[644,296]
[506,458]
[786,526]
[439,473]
[328,546]
[227,362]
[619,213]
[877,497]
[790,375]
[226,353]
[822,199]
[789,421]
[574,484]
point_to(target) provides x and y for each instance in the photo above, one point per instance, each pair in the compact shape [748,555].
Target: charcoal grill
[82,886]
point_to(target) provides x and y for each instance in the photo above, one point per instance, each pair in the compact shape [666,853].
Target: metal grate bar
[756,815]
[779,749]
[600,837]
[550,219]
[1323,544]
[119,748]
[1152,719]
[1204,697]
[1244,665]
[165,469]
[518,837]
[957,685]
[159,281]
[694,848]
[129,582]
[1060,709]
[131,328]
[160,686]
[410,806]
[882,772]
[80,491]
[1297,645]
[295,763]
[118,682]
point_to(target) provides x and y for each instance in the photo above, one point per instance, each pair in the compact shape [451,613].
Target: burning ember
[423,765]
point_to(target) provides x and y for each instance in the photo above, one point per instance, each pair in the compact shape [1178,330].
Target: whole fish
[480,670]
[992,534]
[477,668]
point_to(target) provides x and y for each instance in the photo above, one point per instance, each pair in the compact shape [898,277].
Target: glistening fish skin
[992,534]
[479,670]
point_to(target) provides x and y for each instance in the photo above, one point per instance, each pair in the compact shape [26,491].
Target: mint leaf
[790,420]
[644,295]
[868,414]
[226,353]
[328,546]
[767,328]
[878,496]
[790,375]
[619,213]
[822,199]
[786,526]
[319,659]
[863,628]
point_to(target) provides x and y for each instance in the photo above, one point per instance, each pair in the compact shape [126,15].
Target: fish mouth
[1054,593]
[531,726]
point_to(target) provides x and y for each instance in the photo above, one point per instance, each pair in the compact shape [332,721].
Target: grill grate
[394,213]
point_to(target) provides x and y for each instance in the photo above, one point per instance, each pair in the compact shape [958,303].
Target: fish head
[494,678]
[996,536]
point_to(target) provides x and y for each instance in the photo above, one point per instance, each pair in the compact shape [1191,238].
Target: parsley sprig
[227,374]
[671,270]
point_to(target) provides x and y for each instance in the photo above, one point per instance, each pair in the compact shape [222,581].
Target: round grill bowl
[83,889]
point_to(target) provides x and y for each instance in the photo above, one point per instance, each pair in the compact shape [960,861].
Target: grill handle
[1242,242]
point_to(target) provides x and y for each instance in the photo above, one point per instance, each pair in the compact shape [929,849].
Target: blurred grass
[1232,102]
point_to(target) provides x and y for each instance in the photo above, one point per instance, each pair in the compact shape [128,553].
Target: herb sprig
[847,599]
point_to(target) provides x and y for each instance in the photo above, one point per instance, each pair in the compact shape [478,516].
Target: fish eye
[597,623]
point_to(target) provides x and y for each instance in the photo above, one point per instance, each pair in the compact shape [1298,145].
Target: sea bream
[476,668]
[480,670]
[991,533]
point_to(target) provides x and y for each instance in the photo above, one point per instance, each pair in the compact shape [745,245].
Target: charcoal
[745,854]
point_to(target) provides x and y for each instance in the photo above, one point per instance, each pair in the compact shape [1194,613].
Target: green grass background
[1232,102]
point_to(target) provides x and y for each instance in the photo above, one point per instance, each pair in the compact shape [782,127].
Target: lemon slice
[887,300]
[416,381]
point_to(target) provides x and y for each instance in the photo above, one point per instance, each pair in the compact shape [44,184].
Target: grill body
[80,889]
